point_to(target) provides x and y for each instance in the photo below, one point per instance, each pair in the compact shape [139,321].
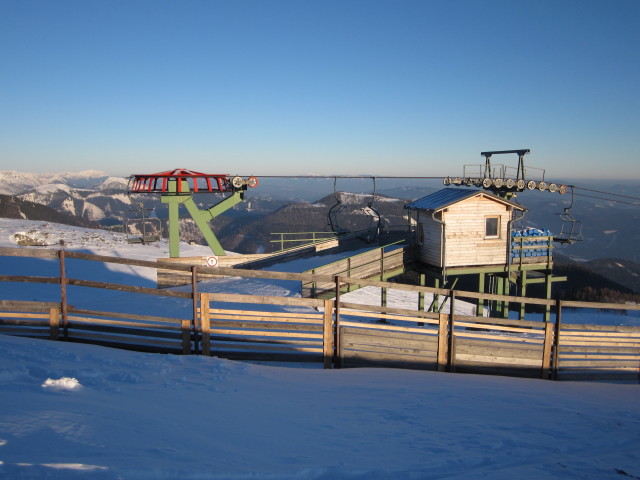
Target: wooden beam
[547,348]
[443,342]
[328,334]
[205,323]
[54,323]
[186,337]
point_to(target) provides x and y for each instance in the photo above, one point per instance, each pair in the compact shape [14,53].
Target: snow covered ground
[81,411]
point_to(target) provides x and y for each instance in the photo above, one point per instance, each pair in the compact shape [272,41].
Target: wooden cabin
[461,227]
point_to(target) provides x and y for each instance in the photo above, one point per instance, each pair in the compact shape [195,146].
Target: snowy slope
[80,411]
[149,416]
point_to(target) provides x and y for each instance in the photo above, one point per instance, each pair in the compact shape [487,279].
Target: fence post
[194,297]
[556,341]
[54,323]
[63,296]
[338,361]
[546,350]
[443,324]
[186,336]
[327,334]
[205,324]
[451,364]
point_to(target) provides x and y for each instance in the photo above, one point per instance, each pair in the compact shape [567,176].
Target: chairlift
[339,209]
[143,229]
[335,210]
[375,218]
[571,230]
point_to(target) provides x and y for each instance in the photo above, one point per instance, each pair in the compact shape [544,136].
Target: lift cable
[374,177]
[368,177]
[606,193]
[636,204]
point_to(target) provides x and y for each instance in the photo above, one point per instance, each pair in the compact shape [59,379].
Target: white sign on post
[212,261]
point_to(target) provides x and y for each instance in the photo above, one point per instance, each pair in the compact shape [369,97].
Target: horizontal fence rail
[598,352]
[331,331]
[134,332]
[262,334]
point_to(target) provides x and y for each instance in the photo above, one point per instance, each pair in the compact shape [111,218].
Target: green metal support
[423,282]
[444,302]
[523,292]
[436,297]
[480,304]
[201,217]
[499,305]
[506,291]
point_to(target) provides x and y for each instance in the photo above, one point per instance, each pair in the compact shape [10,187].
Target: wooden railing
[302,238]
[334,332]
[531,249]
[378,264]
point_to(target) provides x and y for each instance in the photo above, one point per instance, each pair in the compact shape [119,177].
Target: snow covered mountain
[91,195]
[13,182]
[92,205]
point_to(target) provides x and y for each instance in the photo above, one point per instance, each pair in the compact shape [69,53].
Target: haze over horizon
[331,88]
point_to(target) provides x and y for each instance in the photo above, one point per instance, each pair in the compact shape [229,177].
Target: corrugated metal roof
[448,196]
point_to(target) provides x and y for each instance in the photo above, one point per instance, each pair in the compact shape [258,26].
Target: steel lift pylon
[176,187]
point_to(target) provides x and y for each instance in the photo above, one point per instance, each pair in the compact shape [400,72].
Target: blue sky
[319,87]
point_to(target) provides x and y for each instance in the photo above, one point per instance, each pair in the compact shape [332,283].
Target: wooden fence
[332,331]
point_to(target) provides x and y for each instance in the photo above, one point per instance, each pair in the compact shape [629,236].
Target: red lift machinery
[176,187]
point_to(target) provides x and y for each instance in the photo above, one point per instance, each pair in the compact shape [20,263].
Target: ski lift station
[470,227]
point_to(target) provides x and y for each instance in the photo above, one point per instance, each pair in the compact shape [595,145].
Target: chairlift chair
[369,210]
[334,212]
[137,228]
[571,230]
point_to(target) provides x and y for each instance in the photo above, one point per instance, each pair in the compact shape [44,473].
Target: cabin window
[420,233]
[492,227]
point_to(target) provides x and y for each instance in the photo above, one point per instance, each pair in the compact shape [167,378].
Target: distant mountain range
[14,207]
[609,229]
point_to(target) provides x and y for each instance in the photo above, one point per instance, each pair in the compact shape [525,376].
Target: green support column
[423,282]
[523,292]
[435,303]
[174,230]
[499,291]
[506,291]
[383,302]
[173,202]
[480,304]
